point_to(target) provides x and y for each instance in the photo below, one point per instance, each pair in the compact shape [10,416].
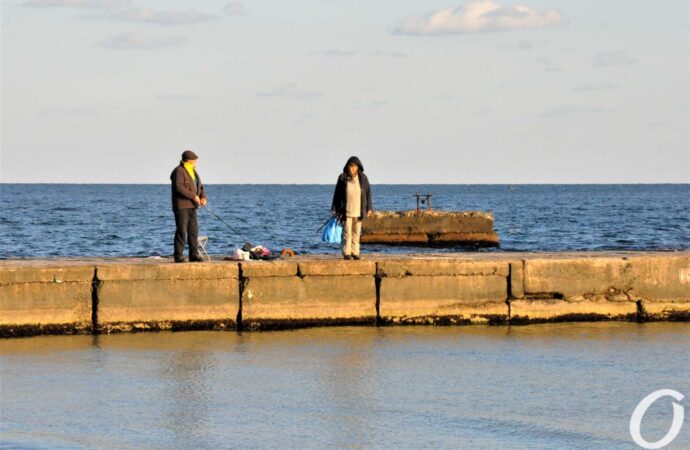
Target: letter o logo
[641,409]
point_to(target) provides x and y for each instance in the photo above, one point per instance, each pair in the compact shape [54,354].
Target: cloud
[94,4]
[567,110]
[477,17]
[334,53]
[177,97]
[592,87]
[235,9]
[338,52]
[614,58]
[545,61]
[170,17]
[341,53]
[371,106]
[522,45]
[73,113]
[130,41]
[387,54]
[290,91]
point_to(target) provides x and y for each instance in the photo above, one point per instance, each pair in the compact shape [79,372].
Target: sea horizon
[375,184]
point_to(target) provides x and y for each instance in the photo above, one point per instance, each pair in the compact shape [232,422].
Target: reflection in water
[185,395]
[542,386]
[346,379]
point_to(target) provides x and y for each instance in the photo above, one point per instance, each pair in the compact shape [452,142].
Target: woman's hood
[353,160]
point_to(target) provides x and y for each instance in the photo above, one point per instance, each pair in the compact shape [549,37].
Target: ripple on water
[531,218]
[543,386]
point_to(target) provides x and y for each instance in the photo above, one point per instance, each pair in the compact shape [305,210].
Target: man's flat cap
[188,154]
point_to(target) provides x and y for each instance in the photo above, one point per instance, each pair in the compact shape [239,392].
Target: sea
[540,386]
[42,220]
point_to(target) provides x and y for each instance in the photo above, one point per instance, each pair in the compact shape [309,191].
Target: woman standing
[351,203]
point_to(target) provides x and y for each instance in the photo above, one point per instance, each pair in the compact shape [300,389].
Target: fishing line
[237,233]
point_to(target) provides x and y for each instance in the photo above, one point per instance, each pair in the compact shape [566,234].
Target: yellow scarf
[190,170]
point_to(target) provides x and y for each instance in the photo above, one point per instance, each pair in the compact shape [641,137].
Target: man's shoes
[348,257]
[196,258]
[357,257]
[179,260]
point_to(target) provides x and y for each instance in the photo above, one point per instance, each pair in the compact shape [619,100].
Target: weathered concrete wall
[287,293]
[45,299]
[459,290]
[440,228]
[613,286]
[163,296]
[495,288]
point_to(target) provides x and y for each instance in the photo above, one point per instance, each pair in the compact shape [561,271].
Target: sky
[275,91]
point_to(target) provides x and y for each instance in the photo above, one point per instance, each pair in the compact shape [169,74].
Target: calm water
[135,220]
[558,386]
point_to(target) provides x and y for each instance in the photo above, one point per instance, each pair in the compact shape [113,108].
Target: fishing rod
[226,224]
[324,224]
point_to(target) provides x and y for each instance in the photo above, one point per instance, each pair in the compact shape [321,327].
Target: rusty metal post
[424,201]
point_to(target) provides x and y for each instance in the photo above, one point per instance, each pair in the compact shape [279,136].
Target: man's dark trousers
[186,230]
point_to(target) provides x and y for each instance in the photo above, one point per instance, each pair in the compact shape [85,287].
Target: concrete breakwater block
[430,228]
[39,298]
[642,286]
[440,290]
[132,294]
[141,296]
[291,293]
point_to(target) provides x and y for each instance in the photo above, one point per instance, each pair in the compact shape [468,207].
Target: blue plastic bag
[333,232]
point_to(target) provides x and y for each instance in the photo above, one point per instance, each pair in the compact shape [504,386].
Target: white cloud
[567,110]
[614,58]
[235,9]
[94,4]
[522,45]
[290,91]
[129,41]
[338,52]
[177,97]
[343,53]
[544,61]
[170,17]
[592,87]
[70,113]
[335,53]
[387,54]
[476,17]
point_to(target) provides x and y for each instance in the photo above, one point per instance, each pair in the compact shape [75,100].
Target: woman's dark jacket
[184,189]
[340,195]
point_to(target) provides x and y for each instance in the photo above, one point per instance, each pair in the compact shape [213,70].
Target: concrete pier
[430,228]
[124,294]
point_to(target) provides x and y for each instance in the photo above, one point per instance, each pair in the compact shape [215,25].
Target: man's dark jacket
[340,195]
[184,189]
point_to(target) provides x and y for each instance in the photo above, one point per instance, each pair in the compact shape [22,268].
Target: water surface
[136,220]
[552,386]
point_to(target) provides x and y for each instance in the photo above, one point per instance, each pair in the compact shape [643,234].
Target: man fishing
[187,195]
